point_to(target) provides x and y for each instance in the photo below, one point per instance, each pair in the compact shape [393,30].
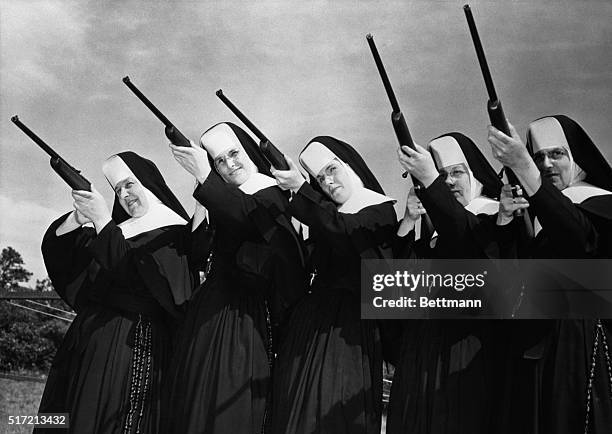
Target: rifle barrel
[482,60]
[241,116]
[146,101]
[40,142]
[383,73]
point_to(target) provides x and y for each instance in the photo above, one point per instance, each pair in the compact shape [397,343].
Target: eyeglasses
[455,173]
[233,154]
[552,154]
[329,172]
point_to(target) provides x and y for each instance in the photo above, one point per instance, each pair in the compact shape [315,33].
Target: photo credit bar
[485,289]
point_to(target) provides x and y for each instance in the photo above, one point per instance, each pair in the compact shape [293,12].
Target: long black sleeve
[68,262]
[199,243]
[245,213]
[351,232]
[110,249]
[463,234]
[450,219]
[566,226]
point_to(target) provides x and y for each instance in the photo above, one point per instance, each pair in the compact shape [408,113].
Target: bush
[28,340]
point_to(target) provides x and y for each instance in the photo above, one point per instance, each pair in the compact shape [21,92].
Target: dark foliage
[12,271]
[28,339]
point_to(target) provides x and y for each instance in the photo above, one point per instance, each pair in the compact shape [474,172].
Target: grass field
[21,398]
[18,398]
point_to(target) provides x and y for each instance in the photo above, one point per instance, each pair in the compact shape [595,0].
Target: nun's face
[458,180]
[132,197]
[554,164]
[234,166]
[335,182]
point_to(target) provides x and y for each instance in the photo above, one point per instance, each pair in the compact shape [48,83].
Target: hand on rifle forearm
[92,205]
[414,210]
[508,204]
[193,159]
[418,163]
[414,207]
[290,179]
[512,153]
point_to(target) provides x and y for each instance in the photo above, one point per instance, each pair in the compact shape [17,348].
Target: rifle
[494,106]
[69,174]
[271,152]
[397,117]
[174,135]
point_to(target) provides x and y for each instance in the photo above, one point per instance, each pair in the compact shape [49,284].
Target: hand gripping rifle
[69,174]
[494,106]
[397,118]
[174,135]
[271,152]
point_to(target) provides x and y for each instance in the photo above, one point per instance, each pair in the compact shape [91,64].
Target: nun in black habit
[461,201]
[127,277]
[569,187]
[221,368]
[328,377]
[454,376]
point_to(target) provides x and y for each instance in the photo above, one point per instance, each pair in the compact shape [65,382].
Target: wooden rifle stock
[397,118]
[271,152]
[69,174]
[174,135]
[494,106]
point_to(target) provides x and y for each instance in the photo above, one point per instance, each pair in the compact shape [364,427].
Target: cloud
[22,226]
[30,30]
[297,69]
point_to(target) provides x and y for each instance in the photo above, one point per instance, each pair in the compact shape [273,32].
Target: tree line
[28,338]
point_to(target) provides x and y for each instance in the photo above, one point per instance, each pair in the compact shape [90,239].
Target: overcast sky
[297,69]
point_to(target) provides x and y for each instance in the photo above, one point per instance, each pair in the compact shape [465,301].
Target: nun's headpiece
[322,150]
[591,174]
[226,135]
[164,208]
[559,131]
[456,148]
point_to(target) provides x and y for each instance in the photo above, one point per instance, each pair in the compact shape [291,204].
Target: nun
[127,275]
[328,376]
[453,164]
[452,375]
[569,188]
[223,360]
